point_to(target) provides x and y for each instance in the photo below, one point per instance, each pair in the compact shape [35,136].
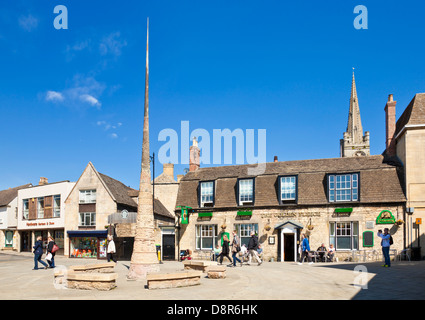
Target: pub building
[41,212]
[333,201]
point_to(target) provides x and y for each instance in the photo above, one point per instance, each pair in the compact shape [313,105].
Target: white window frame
[343,187]
[92,218]
[243,231]
[56,208]
[26,211]
[206,231]
[246,191]
[88,196]
[344,229]
[40,209]
[207,193]
[288,188]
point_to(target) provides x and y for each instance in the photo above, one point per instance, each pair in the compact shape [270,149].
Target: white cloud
[28,23]
[90,100]
[54,96]
[113,135]
[112,44]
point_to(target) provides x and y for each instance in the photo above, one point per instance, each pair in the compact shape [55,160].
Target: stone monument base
[139,271]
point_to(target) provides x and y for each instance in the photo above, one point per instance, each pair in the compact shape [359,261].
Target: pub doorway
[288,247]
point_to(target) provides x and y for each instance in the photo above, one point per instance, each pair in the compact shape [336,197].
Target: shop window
[206,237]
[344,235]
[88,247]
[87,196]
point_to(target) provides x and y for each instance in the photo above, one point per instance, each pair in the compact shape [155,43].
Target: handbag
[49,257]
[55,248]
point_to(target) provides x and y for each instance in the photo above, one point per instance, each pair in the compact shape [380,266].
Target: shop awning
[88,234]
[296,224]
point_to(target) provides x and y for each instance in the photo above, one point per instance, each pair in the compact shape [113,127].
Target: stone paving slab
[269,281]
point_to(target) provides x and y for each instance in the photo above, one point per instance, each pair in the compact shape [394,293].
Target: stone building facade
[336,201]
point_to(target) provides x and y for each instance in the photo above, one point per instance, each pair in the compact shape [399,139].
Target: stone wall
[319,217]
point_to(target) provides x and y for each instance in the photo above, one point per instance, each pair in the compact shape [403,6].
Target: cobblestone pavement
[270,281]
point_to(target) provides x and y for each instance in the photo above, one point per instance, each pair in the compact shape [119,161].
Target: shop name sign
[290,214]
[40,224]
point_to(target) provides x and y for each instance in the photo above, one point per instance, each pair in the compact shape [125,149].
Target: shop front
[88,244]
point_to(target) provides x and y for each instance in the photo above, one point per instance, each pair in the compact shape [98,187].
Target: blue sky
[72,96]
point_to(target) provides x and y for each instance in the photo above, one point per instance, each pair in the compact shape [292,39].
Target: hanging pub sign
[184,217]
[385,217]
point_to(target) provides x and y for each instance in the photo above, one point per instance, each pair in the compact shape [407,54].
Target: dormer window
[343,187]
[246,191]
[288,188]
[206,194]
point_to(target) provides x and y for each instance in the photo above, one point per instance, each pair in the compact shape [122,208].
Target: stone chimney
[168,169]
[179,177]
[390,126]
[43,181]
[194,156]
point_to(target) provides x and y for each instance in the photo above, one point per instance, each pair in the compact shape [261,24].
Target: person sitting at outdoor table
[322,250]
[331,252]
[217,252]
[260,251]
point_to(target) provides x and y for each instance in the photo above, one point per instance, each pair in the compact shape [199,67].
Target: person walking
[50,245]
[305,248]
[110,251]
[252,248]
[225,250]
[236,247]
[38,252]
[385,243]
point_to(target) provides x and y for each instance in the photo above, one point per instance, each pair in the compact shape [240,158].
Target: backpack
[391,241]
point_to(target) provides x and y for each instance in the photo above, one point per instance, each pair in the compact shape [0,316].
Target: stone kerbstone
[173,280]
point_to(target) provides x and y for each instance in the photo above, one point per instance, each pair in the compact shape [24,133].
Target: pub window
[246,191]
[87,219]
[343,187]
[243,231]
[206,237]
[40,208]
[207,194]
[344,235]
[288,188]
[26,209]
[87,196]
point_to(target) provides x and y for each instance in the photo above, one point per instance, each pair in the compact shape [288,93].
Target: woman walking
[111,249]
[305,248]
[225,250]
[50,245]
[38,252]
[235,249]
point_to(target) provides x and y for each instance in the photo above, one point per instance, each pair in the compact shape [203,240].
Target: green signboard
[385,217]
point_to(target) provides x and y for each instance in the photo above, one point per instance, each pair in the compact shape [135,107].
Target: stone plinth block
[173,280]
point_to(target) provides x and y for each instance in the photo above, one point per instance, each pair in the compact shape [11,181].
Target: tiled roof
[413,114]
[379,181]
[6,196]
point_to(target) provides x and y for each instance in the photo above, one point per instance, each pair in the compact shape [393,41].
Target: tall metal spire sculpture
[144,258]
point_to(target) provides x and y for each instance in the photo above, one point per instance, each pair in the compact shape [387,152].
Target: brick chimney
[275,159]
[390,126]
[43,181]
[194,156]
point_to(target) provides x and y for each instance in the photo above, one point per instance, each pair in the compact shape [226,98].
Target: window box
[244,213]
[204,214]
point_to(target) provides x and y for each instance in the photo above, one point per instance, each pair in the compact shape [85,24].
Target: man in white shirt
[385,243]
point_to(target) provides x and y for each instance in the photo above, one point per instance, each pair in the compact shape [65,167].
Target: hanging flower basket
[399,222]
[310,227]
[267,228]
[223,226]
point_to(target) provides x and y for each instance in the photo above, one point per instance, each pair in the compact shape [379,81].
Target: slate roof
[7,196]
[413,114]
[379,181]
[124,195]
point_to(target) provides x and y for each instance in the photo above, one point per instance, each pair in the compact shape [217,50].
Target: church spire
[354,142]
